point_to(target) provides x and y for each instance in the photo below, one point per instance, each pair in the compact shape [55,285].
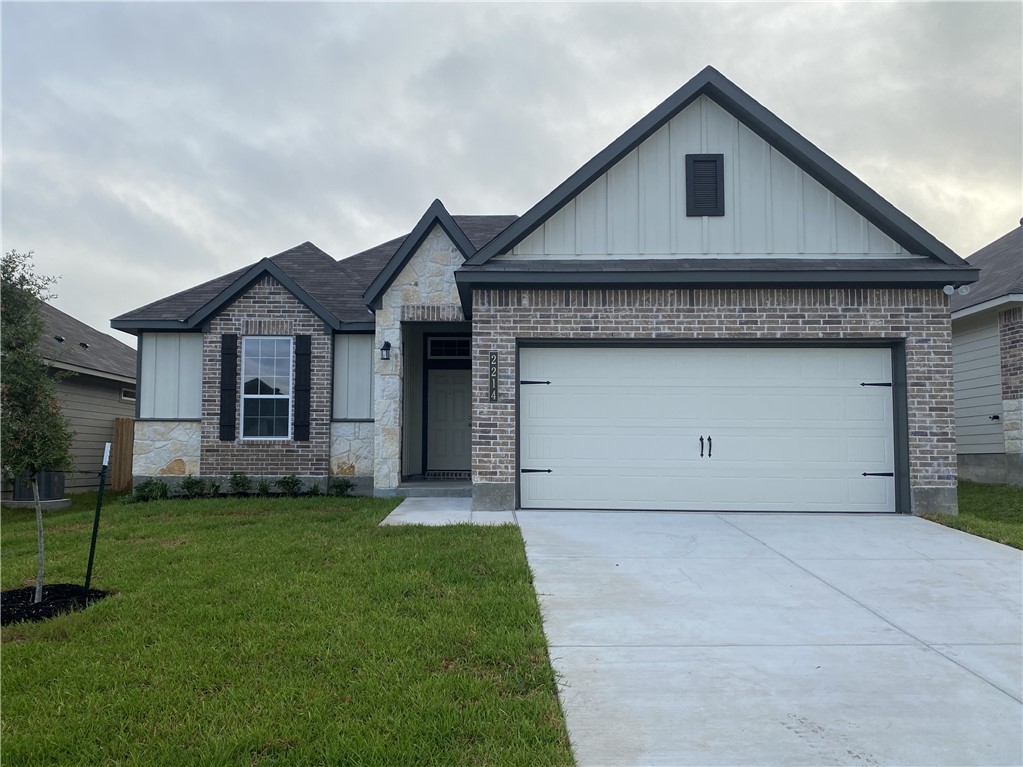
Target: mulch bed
[16,605]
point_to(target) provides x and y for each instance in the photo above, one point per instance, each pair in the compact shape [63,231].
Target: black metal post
[95,522]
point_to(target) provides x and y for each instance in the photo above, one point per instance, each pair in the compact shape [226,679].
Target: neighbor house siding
[91,404]
[772,208]
[267,309]
[919,317]
[978,385]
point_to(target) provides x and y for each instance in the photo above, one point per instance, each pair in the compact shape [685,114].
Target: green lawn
[278,631]
[990,511]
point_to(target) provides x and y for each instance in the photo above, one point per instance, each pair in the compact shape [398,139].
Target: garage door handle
[535,471]
[710,445]
[701,447]
[879,474]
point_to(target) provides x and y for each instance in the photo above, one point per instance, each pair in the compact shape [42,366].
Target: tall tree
[35,434]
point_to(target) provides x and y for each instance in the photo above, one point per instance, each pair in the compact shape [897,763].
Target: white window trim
[125,392]
[291,392]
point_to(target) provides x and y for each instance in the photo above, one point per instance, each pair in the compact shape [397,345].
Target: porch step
[435,489]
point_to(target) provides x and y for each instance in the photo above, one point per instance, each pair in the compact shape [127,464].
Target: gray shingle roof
[104,354]
[1001,270]
[337,285]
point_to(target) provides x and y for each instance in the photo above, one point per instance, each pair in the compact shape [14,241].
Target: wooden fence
[121,455]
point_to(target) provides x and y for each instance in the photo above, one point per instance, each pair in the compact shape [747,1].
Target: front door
[449,413]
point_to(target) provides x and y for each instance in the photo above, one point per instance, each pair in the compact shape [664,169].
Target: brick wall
[1010,339]
[266,308]
[920,316]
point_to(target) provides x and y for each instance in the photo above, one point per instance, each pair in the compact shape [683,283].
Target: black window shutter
[705,185]
[303,364]
[228,386]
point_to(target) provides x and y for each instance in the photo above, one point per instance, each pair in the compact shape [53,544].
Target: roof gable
[310,274]
[807,157]
[436,215]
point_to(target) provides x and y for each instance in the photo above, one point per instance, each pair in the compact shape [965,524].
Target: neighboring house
[709,314]
[96,385]
[987,353]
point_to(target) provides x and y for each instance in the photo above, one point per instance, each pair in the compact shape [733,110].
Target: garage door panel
[792,428]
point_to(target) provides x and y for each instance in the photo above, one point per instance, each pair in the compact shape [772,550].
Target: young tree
[35,434]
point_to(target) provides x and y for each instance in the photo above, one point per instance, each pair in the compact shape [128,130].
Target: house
[95,386]
[710,314]
[987,356]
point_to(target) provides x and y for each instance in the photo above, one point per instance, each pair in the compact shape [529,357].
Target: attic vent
[705,185]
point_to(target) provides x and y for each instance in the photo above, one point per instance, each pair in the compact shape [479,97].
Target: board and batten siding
[772,208]
[978,385]
[91,405]
[171,376]
[353,376]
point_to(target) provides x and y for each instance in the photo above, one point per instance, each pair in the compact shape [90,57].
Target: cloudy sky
[150,147]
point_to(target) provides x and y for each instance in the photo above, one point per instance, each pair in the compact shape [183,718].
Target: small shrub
[314,490]
[239,484]
[192,487]
[148,490]
[211,489]
[341,486]
[263,487]
[289,485]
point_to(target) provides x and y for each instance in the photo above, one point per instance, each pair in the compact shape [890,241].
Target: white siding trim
[171,384]
[353,376]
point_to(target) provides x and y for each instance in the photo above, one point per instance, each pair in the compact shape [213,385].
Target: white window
[171,378]
[266,387]
[353,376]
[127,395]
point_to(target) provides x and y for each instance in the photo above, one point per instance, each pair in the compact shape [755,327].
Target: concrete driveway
[768,639]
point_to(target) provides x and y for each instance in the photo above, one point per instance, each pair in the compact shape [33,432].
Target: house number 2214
[492,376]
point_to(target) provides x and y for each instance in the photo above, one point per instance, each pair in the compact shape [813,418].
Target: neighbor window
[266,388]
[127,395]
[705,185]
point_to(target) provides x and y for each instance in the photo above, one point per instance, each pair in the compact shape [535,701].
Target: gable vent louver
[705,185]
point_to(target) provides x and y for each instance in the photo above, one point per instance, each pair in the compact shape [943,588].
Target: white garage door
[780,429]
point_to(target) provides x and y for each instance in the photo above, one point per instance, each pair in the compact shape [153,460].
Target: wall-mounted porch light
[385,351]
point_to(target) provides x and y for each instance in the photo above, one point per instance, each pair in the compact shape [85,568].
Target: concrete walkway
[767,639]
[445,511]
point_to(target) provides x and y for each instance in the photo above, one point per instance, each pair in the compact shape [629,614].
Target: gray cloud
[148,147]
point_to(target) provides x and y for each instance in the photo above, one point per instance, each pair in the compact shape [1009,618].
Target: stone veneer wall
[268,309]
[424,291]
[166,448]
[1010,340]
[351,450]
[920,316]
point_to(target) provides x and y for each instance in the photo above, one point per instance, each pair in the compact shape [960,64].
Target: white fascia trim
[89,372]
[994,303]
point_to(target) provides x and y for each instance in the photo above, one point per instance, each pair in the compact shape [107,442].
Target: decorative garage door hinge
[524,383]
[879,474]
[876,384]
[535,471]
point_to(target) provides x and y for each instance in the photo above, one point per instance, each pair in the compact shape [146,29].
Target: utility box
[51,487]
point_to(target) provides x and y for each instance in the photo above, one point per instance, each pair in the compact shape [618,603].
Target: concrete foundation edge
[935,500]
[493,496]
